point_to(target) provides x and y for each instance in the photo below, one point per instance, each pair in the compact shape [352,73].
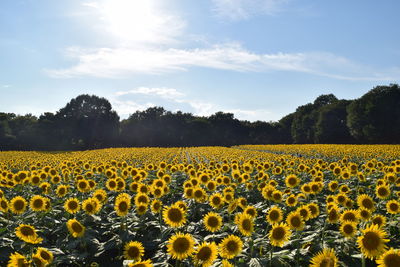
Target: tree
[88,121]
[331,127]
[375,117]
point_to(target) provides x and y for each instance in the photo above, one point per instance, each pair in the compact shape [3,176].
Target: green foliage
[375,117]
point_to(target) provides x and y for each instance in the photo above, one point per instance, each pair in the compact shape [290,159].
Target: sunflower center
[231,246]
[216,201]
[274,215]
[367,203]
[181,245]
[133,252]
[392,260]
[382,191]
[278,233]
[45,255]
[123,206]
[27,231]
[295,221]
[89,207]
[327,263]
[348,229]
[38,203]
[175,215]
[212,221]
[19,205]
[204,253]
[292,181]
[246,224]
[371,241]
[72,205]
[3,204]
[349,217]
[76,227]
[393,207]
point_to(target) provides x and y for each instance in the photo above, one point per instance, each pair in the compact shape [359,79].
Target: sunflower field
[255,205]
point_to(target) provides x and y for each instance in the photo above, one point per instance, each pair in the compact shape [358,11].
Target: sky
[258,59]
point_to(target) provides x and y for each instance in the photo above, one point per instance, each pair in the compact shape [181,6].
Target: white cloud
[173,99]
[243,9]
[6,85]
[167,93]
[120,62]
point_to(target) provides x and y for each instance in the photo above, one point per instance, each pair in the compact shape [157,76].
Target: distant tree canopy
[88,122]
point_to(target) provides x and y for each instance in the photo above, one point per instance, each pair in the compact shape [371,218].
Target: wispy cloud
[6,85]
[243,9]
[173,99]
[120,62]
[167,93]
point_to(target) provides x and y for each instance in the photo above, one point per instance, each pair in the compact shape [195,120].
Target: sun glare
[138,21]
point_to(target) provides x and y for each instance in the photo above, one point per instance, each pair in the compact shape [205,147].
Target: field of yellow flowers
[258,205]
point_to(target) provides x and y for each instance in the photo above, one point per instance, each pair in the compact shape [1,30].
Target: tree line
[88,122]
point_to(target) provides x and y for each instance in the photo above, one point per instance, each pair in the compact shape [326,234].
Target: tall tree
[88,121]
[375,117]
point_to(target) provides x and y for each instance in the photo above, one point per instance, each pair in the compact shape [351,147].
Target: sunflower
[333,186]
[379,220]
[122,205]
[250,210]
[366,202]
[180,246]
[391,258]
[27,233]
[72,205]
[277,196]
[314,210]
[348,229]
[37,261]
[205,254]
[291,200]
[326,257]
[333,214]
[279,234]
[364,214]
[75,228]
[393,206]
[174,216]
[101,195]
[212,221]
[156,206]
[133,251]
[245,224]
[146,263]
[382,191]
[4,205]
[372,241]
[295,221]
[83,185]
[230,247]
[37,203]
[141,209]
[44,255]
[142,198]
[274,215]
[305,212]
[91,206]
[350,215]
[292,180]
[62,190]
[18,260]
[18,205]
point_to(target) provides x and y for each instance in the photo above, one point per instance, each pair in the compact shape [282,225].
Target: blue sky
[259,59]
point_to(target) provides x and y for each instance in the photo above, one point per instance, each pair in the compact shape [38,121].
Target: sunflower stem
[362,261]
[271,252]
